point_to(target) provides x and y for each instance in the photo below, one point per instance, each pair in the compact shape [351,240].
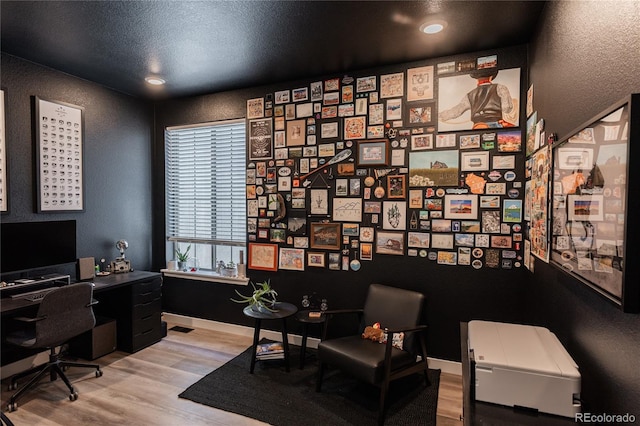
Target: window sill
[205,276]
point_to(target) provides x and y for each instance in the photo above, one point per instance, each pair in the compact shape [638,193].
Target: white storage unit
[523,366]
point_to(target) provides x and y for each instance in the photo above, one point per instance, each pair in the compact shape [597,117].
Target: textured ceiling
[210,46]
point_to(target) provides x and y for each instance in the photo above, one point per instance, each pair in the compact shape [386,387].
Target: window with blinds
[205,192]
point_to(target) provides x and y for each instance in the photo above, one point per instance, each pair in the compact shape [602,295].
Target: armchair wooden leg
[319,378]
[383,395]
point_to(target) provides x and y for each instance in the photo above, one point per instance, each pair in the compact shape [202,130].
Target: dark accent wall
[117,160]
[584,59]
[455,293]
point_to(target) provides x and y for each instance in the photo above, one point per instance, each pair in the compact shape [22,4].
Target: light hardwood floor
[142,388]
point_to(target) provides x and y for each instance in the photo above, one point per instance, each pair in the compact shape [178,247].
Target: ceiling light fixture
[156,81]
[433,27]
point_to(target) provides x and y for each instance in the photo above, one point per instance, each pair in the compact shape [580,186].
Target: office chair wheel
[73,396]
[12,407]
[98,373]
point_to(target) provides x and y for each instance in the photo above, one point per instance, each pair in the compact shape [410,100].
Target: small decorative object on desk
[229,270]
[183,256]
[263,298]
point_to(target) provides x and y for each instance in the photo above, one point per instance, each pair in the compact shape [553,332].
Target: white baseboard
[445,366]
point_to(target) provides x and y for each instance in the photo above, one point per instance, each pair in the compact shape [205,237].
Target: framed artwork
[355,128]
[420,114]
[331,84]
[373,153]
[330,130]
[366,84]
[325,236]
[419,142]
[291,259]
[347,209]
[593,188]
[389,242]
[392,85]
[394,109]
[263,256]
[461,206]
[512,211]
[475,160]
[260,139]
[301,94]
[59,127]
[282,97]
[316,259]
[396,186]
[316,91]
[4,204]
[296,132]
[455,110]
[366,251]
[418,239]
[394,215]
[255,108]
[433,168]
[376,114]
[419,83]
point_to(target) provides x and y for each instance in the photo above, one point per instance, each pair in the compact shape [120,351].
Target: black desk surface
[9,306]
[483,413]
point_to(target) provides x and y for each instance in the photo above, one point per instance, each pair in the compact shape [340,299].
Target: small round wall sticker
[355,265]
[510,175]
[477,264]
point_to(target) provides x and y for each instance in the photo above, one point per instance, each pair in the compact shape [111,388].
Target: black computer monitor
[33,245]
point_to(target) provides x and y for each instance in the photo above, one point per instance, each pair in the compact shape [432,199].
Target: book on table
[271,350]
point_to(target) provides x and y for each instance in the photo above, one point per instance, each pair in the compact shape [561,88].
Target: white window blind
[205,183]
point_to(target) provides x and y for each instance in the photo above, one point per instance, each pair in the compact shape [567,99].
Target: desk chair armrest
[28,319]
[406,329]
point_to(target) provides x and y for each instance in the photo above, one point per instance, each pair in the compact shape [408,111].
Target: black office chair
[397,310]
[63,313]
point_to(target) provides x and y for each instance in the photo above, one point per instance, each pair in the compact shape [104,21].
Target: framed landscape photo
[59,128]
[373,153]
[460,206]
[325,236]
[263,256]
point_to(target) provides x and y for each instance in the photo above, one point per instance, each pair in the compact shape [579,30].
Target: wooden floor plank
[142,388]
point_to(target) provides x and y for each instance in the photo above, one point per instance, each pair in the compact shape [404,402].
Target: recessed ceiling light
[433,27]
[156,81]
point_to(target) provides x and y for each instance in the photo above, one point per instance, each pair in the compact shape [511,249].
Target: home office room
[319,212]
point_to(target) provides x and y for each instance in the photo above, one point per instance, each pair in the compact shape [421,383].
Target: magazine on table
[270,350]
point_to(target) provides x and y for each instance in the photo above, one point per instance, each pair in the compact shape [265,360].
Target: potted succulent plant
[228,269]
[183,257]
[263,298]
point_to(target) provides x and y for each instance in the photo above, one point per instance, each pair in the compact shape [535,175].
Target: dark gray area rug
[274,396]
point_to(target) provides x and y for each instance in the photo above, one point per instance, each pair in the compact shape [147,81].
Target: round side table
[283,311]
[306,320]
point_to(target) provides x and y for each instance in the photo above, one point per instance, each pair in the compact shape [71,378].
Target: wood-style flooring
[142,388]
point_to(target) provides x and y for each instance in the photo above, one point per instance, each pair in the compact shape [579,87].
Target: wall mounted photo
[260,139]
[419,114]
[460,206]
[460,100]
[59,135]
[316,259]
[420,83]
[433,168]
[255,108]
[296,132]
[390,243]
[474,161]
[291,259]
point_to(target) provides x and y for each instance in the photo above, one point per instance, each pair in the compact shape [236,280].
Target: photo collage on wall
[424,162]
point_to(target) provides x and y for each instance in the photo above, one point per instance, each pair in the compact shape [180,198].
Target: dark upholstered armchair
[64,313]
[397,310]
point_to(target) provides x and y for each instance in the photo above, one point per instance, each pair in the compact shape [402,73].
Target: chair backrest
[67,313]
[394,307]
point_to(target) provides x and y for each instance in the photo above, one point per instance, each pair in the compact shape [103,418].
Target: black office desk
[483,413]
[133,299]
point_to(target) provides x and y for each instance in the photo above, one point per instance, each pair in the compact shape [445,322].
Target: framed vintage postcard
[366,84]
[291,259]
[389,242]
[420,114]
[59,127]
[255,108]
[418,239]
[474,161]
[512,211]
[355,128]
[396,186]
[316,259]
[316,91]
[260,139]
[330,130]
[331,84]
[282,97]
[424,141]
[460,206]
[392,85]
[325,236]
[296,132]
[442,241]
[394,109]
[373,153]
[420,83]
[263,256]
[299,95]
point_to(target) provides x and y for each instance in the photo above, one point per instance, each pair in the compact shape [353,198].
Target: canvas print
[433,168]
[483,99]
